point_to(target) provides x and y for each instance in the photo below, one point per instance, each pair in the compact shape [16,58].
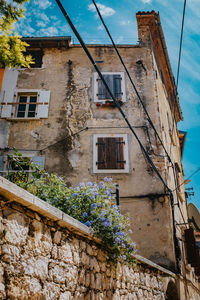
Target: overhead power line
[181,40]
[179,62]
[138,95]
[131,80]
[176,245]
[110,93]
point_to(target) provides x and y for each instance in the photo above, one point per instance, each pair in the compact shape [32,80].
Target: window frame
[95,153]
[95,87]
[28,95]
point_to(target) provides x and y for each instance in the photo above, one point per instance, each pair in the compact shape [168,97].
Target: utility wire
[137,93]
[179,62]
[109,91]
[187,179]
[180,48]
[176,245]
[129,76]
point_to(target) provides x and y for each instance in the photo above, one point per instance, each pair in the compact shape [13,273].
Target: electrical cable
[187,179]
[179,61]
[128,74]
[181,41]
[109,91]
[136,91]
[177,250]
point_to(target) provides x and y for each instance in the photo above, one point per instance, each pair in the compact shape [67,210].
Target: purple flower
[82,184]
[130,231]
[118,240]
[75,194]
[88,223]
[106,222]
[93,205]
[107,179]
[84,214]
[89,183]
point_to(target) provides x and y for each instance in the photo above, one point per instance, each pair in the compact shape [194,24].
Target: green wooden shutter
[1,164]
[103,93]
[117,86]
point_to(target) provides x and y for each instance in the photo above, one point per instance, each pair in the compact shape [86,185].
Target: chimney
[146,22]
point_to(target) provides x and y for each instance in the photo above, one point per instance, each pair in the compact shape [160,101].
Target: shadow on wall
[171,293]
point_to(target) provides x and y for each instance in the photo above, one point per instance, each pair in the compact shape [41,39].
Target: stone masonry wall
[40,259]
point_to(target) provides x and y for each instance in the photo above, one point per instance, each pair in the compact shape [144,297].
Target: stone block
[16,229]
[65,253]
[41,268]
[50,291]
[66,296]
[98,283]
[94,265]
[57,237]
[23,288]
[81,278]
[58,272]
[85,259]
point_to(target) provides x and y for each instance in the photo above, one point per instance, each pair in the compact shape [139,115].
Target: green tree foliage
[11,47]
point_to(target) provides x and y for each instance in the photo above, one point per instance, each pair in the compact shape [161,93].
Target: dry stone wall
[40,259]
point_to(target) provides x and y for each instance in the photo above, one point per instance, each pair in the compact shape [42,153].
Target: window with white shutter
[116,84]
[28,104]
[110,153]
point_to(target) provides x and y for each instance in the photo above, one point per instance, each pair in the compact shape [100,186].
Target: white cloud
[28,31]
[40,24]
[43,4]
[146,1]
[54,18]
[50,31]
[41,16]
[104,10]
[100,27]
[125,22]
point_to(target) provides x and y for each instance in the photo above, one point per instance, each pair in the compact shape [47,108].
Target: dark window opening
[110,153]
[37,57]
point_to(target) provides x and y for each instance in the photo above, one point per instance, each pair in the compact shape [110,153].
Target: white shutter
[43,109]
[8,91]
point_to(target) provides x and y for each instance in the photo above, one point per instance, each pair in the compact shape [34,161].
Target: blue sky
[43,18]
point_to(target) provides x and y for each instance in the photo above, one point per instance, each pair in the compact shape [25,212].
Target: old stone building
[59,114]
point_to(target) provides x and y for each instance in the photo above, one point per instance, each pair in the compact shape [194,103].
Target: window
[36,56]
[177,171]
[115,82]
[26,106]
[169,123]
[8,165]
[110,153]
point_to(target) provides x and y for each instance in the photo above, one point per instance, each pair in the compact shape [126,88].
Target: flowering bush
[90,203]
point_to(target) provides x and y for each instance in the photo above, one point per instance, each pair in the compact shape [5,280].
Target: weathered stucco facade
[66,124]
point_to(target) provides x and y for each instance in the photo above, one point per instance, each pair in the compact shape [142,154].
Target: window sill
[23,119]
[107,103]
[117,171]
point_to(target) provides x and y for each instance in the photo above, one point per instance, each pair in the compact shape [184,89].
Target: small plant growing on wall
[90,203]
